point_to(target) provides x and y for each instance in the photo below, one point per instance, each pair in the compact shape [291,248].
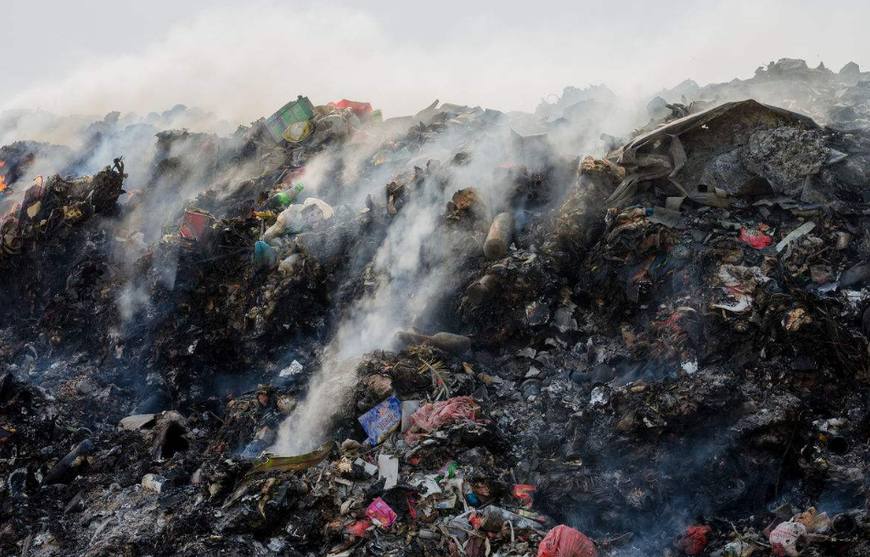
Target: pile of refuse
[332,333]
[835,98]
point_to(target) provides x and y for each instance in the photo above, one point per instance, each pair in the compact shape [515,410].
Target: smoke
[243,61]
[74,146]
[411,267]
[131,300]
[418,258]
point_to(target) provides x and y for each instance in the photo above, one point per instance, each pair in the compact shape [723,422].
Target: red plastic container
[359,108]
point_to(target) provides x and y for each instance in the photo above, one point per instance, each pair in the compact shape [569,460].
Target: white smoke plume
[243,61]
[412,266]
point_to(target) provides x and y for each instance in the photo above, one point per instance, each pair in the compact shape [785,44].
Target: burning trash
[474,334]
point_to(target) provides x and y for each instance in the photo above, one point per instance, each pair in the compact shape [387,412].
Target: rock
[137,422]
[153,482]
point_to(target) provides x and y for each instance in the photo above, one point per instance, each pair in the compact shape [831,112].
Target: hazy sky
[242,59]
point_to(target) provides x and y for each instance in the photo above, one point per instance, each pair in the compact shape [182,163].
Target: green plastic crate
[300,110]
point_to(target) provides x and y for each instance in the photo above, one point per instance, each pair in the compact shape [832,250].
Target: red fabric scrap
[755,238]
[358,528]
[523,492]
[475,520]
[564,541]
[694,540]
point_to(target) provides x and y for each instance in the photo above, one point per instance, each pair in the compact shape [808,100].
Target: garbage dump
[331,333]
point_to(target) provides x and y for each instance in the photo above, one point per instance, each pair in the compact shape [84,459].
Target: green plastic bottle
[283,199]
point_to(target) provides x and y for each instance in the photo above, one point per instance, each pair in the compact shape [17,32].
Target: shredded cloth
[430,417]
[695,540]
[564,541]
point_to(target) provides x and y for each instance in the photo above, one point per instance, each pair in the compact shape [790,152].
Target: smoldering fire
[602,328]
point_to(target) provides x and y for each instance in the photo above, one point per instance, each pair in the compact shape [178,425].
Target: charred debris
[658,350]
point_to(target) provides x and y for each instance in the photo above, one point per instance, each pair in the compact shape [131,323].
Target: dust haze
[240,62]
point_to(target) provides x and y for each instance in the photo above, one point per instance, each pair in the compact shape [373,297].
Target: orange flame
[2,178]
